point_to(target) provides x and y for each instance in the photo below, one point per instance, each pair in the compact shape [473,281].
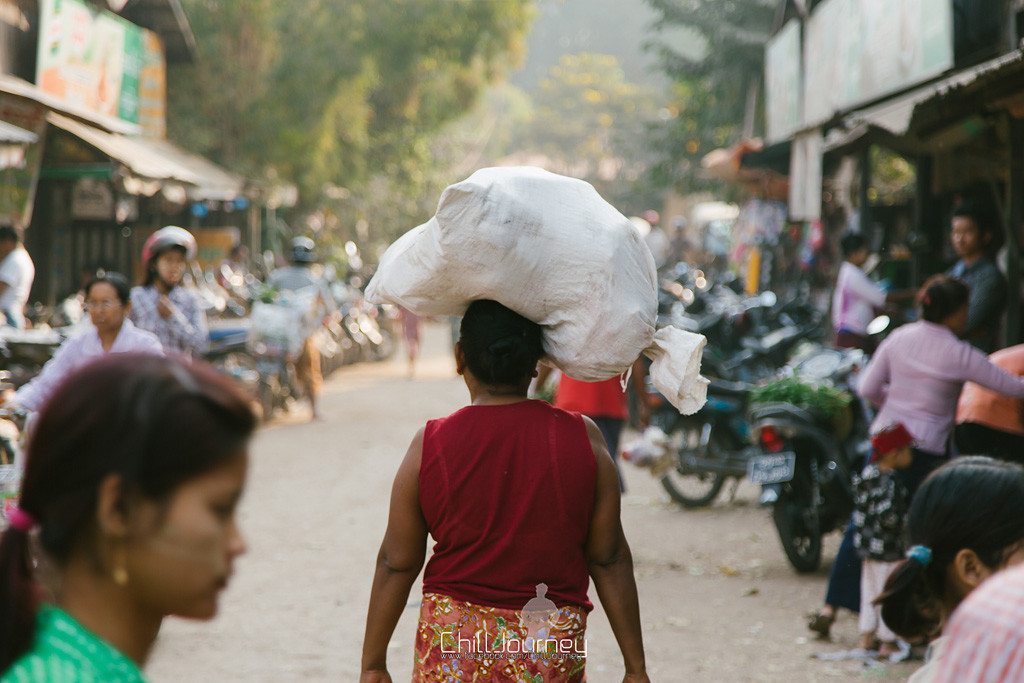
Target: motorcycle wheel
[801,543]
[691,488]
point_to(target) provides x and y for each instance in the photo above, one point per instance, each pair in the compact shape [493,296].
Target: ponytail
[911,606]
[973,503]
[19,597]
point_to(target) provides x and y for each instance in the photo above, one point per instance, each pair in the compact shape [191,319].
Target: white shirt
[855,300]
[17,271]
[77,352]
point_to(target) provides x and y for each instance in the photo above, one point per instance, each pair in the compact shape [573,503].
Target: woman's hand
[375,676]
[164,307]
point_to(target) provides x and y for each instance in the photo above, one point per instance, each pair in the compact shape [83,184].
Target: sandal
[821,624]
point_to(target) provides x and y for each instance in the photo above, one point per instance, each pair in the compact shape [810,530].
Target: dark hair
[9,233]
[974,503]
[941,296]
[983,219]
[852,242]
[501,347]
[121,415]
[151,273]
[117,281]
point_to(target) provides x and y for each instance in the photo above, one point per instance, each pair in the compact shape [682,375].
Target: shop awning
[153,163]
[213,182]
[137,154]
[895,114]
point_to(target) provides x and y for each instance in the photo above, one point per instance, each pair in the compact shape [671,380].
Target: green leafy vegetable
[827,400]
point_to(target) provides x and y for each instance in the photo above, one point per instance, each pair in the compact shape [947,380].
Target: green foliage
[712,91]
[824,399]
[337,93]
[589,121]
[893,177]
[587,113]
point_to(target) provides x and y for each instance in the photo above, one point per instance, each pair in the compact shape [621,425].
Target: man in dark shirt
[971,236]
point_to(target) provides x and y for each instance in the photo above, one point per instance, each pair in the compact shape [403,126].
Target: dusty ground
[719,601]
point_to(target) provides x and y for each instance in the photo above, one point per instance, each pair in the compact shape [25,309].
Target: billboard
[100,62]
[782,82]
[856,51]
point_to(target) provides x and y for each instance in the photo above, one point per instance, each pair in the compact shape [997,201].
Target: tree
[713,93]
[337,93]
[588,121]
[214,106]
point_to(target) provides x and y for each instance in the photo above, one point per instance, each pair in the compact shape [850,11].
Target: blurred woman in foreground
[136,514]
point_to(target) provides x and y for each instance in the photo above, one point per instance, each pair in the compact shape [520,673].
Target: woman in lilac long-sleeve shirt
[918,372]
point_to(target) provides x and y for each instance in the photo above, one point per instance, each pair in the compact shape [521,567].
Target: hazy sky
[616,27]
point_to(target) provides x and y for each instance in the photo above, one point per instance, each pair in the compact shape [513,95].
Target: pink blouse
[916,377]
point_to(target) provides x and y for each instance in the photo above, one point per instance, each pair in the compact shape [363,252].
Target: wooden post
[1015,219]
[865,201]
[926,221]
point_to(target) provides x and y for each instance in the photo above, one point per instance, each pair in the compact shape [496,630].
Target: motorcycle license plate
[771,469]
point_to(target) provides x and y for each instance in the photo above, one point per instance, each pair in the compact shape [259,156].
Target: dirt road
[719,601]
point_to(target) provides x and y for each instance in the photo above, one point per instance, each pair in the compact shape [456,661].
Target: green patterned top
[65,652]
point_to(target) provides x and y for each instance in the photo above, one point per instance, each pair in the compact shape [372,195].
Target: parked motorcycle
[23,353]
[703,450]
[808,454]
[229,353]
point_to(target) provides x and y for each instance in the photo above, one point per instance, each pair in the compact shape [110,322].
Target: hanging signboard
[856,51]
[782,82]
[98,61]
[92,199]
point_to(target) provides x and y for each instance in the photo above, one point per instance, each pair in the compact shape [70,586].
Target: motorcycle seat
[783,410]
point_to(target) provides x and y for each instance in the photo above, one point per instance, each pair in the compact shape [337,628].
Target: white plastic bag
[551,249]
[649,450]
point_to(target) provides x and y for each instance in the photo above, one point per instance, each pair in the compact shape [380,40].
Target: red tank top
[507,493]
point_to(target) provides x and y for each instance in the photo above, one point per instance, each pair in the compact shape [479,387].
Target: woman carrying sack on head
[522,500]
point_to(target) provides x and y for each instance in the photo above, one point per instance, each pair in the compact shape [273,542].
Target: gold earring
[120,571]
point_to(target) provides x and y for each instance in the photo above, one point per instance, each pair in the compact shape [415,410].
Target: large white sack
[544,245]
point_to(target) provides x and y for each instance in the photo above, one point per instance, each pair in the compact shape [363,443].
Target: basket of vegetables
[832,404]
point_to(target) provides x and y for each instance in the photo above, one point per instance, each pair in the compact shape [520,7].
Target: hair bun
[502,348]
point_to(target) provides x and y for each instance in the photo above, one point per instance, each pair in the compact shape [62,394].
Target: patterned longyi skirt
[462,641]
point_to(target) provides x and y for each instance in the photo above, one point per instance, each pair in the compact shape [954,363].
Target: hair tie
[21,520]
[920,554]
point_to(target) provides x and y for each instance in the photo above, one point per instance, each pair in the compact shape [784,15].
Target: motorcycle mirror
[878,325]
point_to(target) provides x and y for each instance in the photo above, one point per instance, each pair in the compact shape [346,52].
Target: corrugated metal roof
[138,154]
[161,160]
[895,115]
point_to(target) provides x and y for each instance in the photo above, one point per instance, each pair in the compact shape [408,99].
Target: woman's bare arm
[398,564]
[611,564]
